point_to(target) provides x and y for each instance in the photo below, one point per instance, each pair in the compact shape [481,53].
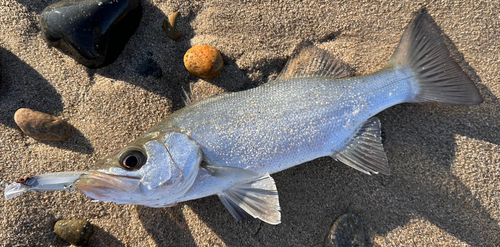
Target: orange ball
[203,61]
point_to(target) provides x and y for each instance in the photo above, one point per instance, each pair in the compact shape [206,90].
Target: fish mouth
[107,187]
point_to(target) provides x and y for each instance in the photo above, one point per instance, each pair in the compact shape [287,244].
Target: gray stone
[75,232]
[42,126]
[346,231]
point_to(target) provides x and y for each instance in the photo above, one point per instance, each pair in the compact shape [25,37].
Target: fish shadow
[101,237]
[424,182]
[422,186]
[421,145]
[167,226]
[428,185]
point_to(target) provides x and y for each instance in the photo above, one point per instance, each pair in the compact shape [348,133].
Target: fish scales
[274,127]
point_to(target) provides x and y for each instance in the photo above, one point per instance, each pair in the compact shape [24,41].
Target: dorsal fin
[366,152]
[311,61]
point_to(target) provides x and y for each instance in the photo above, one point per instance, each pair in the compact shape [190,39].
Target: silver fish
[313,109]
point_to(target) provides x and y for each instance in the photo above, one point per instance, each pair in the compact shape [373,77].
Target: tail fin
[440,78]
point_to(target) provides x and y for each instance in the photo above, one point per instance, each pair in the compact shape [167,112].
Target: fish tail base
[440,78]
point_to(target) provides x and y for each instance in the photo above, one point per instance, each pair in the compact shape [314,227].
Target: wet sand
[444,186]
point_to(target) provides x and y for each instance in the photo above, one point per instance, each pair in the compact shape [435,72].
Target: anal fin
[256,197]
[366,152]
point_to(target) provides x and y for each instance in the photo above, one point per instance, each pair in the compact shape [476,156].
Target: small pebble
[203,61]
[149,67]
[170,26]
[42,126]
[75,232]
[346,231]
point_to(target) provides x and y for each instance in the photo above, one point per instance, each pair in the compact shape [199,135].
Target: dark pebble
[170,26]
[346,231]
[149,67]
[93,32]
[42,126]
[75,232]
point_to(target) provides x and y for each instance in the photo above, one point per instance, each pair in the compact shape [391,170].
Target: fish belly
[282,124]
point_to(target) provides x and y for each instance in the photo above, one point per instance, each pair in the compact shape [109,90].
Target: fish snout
[108,187]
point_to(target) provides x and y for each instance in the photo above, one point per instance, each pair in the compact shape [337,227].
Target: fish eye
[133,159]
[26,180]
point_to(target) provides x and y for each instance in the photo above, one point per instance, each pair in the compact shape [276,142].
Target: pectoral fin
[257,198]
[366,152]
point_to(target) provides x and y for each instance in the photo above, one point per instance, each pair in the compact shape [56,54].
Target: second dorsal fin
[311,61]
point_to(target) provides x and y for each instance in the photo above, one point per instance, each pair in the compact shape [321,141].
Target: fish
[229,145]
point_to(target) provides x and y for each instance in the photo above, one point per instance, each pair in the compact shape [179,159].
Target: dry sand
[445,182]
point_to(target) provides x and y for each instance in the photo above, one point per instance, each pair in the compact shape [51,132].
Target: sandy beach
[444,189]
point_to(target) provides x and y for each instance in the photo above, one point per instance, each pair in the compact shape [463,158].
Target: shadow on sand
[169,56]
[422,185]
[30,90]
[420,144]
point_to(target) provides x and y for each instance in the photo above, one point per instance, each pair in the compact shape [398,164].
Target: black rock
[93,32]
